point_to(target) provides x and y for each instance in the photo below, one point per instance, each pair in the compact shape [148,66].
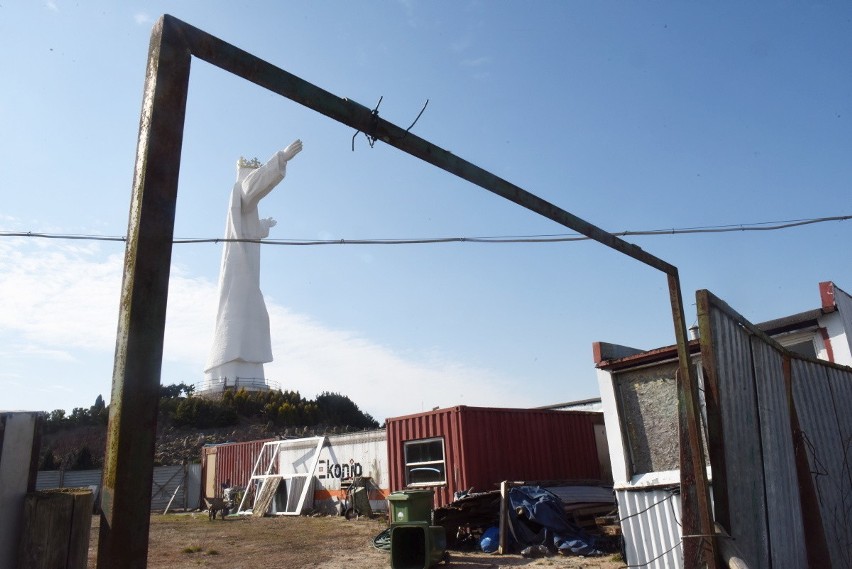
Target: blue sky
[630,115]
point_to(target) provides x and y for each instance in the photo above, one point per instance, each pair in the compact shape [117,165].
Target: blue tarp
[542,521]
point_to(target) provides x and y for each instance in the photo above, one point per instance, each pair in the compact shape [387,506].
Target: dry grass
[179,541]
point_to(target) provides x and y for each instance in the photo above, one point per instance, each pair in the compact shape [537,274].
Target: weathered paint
[166,479]
[822,396]
[342,458]
[761,427]
[484,446]
[649,510]
[18,432]
[227,463]
[651,527]
[132,428]
[799,417]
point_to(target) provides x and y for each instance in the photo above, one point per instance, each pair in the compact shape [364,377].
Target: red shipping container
[460,448]
[228,462]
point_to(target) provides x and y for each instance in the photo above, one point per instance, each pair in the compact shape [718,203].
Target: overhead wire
[545,238]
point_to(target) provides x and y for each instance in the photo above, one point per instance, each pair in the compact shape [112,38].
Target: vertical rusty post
[128,464]
[713,403]
[697,527]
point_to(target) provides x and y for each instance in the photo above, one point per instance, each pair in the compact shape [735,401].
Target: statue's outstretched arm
[292,150]
[263,180]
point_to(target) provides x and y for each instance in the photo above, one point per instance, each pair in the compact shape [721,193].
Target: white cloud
[461,45]
[312,359]
[37,351]
[61,300]
[59,294]
[141,18]
[408,7]
[51,5]
[475,62]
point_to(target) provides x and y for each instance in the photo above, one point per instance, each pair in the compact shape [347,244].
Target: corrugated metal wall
[167,479]
[650,523]
[747,521]
[484,446]
[766,412]
[233,462]
[823,398]
[48,479]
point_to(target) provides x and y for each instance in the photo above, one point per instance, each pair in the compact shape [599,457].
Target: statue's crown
[253,163]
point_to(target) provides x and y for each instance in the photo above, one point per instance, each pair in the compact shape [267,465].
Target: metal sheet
[193,487]
[783,507]
[822,397]
[168,481]
[48,479]
[484,446]
[738,400]
[650,523]
[165,481]
[233,463]
[343,457]
[803,447]
[81,478]
[579,494]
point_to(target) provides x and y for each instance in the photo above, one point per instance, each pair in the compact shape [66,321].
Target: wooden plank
[265,495]
[503,547]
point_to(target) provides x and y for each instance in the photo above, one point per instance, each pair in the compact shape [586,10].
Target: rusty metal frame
[128,468]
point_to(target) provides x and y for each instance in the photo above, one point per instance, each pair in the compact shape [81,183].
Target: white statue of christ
[241,343]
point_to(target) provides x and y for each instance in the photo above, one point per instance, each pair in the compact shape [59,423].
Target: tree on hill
[338,410]
[97,414]
[179,406]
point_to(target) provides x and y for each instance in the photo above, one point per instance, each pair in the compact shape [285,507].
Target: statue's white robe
[242,322]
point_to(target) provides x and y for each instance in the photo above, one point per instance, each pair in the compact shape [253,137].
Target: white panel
[17,448]
[650,522]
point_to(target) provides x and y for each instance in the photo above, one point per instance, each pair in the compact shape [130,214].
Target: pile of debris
[534,519]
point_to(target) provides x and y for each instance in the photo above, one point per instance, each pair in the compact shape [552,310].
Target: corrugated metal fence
[780,432]
[180,485]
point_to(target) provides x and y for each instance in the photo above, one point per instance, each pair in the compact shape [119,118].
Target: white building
[639,399]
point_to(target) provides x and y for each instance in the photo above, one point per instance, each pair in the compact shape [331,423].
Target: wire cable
[551,238]
[664,553]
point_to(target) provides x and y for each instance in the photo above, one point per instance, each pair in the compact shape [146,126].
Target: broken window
[424,462]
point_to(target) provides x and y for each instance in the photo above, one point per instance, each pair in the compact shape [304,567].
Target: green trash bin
[417,545]
[408,506]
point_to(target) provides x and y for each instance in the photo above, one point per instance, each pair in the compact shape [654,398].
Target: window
[424,462]
[802,342]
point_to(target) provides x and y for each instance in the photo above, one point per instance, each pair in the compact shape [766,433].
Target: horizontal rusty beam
[262,73]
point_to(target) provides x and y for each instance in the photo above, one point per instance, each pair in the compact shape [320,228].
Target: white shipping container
[341,459]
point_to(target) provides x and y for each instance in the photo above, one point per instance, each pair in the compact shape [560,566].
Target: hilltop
[187,422]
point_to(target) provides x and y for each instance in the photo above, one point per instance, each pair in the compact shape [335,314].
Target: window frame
[408,465]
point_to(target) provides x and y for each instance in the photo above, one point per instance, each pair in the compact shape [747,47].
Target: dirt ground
[179,541]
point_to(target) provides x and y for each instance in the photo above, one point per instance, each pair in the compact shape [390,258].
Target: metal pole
[131,434]
[699,547]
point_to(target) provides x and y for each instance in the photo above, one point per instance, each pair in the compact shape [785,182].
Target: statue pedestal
[234,375]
